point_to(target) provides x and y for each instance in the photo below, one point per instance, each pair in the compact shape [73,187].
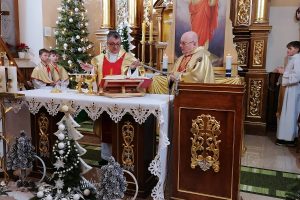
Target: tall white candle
[12,77]
[228,62]
[2,79]
[165,62]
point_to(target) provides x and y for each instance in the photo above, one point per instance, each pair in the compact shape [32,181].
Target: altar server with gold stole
[42,74]
[194,65]
[59,74]
[115,61]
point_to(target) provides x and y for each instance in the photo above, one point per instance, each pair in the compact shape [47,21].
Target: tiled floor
[263,153]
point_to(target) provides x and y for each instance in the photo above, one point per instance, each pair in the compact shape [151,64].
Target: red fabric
[204,19]
[48,68]
[112,68]
[56,68]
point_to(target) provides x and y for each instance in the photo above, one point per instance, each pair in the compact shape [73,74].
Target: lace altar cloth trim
[139,107]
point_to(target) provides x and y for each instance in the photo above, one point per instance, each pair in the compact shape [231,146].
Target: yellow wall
[285,3]
[50,15]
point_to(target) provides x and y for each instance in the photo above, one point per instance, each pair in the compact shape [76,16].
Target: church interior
[193,108]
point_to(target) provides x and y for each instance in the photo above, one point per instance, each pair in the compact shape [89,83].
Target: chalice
[79,79]
[89,79]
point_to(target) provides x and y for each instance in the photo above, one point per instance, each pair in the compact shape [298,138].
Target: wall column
[107,21]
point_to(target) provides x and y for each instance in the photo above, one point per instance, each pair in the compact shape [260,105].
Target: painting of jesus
[207,18]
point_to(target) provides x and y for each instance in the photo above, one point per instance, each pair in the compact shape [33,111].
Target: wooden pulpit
[207,142]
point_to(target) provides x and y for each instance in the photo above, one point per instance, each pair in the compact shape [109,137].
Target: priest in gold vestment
[115,61]
[194,65]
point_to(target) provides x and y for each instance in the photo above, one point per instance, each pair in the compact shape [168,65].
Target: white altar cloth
[139,107]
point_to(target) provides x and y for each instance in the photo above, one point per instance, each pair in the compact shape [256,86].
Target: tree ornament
[61,145]
[61,136]
[86,192]
[61,152]
[76,9]
[69,62]
[40,194]
[76,197]
[65,45]
[61,127]
[77,37]
[70,20]
[64,108]
[79,49]
[41,188]
[49,197]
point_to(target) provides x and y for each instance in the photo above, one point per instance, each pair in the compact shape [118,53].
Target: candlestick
[143,31]
[12,79]
[165,62]
[151,32]
[2,79]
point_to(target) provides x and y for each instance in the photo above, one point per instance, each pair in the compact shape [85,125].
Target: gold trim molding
[255,97]
[258,53]
[243,13]
[128,152]
[205,144]
[44,144]
[242,52]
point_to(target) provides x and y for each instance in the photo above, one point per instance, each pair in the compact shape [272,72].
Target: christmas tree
[21,153]
[71,35]
[112,181]
[67,180]
[20,157]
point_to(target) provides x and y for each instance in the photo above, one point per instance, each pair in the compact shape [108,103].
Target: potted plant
[22,49]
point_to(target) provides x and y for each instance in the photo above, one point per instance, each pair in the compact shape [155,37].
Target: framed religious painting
[208,19]
[10,23]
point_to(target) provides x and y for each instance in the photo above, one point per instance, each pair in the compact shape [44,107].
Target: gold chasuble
[195,67]
[42,72]
[97,62]
[58,73]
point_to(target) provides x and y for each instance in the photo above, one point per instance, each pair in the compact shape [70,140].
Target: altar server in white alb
[287,129]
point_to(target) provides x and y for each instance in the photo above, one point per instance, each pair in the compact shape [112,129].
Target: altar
[139,108]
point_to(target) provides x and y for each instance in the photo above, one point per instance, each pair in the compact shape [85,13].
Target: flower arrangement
[22,47]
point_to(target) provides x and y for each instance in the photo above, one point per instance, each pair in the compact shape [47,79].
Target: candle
[2,79]
[151,32]
[143,31]
[165,62]
[12,79]
[228,62]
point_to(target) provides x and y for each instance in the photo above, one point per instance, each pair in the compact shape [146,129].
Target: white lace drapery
[139,107]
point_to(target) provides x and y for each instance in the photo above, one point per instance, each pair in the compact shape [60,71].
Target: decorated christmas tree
[21,153]
[112,181]
[67,180]
[20,157]
[71,35]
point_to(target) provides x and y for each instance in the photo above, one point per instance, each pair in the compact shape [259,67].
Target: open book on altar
[123,86]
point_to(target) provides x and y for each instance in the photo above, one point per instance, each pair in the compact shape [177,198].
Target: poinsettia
[22,47]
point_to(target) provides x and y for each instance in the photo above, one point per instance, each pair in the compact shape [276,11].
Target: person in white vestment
[287,129]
